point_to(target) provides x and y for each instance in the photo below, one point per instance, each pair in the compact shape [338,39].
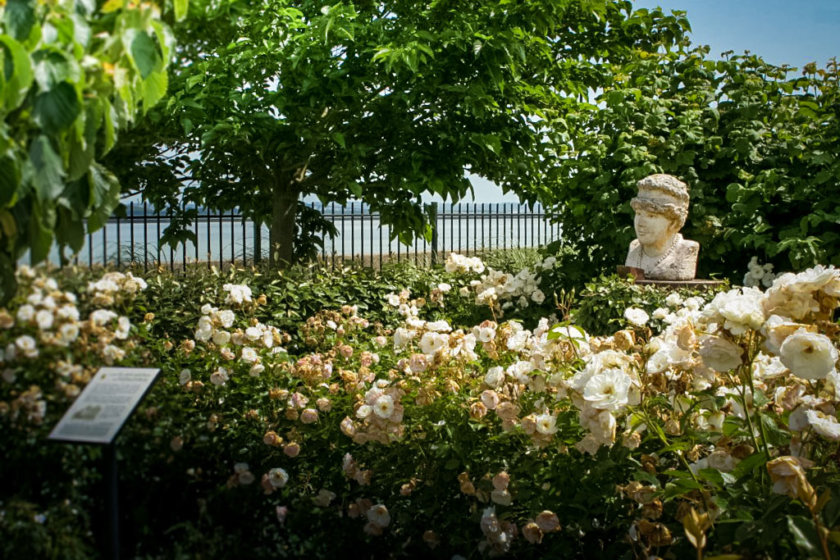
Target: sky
[793,32]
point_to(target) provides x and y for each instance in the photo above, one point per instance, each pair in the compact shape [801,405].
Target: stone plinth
[638,275]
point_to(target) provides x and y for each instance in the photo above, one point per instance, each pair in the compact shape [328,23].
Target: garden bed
[426,412]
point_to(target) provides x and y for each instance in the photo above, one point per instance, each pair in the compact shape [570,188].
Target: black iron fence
[223,238]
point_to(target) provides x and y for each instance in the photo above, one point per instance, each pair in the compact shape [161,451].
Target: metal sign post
[97,416]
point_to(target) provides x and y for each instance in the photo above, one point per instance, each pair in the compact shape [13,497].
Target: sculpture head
[661,208]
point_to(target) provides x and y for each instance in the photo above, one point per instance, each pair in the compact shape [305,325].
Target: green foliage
[71,76]
[376,101]
[190,432]
[756,143]
[599,307]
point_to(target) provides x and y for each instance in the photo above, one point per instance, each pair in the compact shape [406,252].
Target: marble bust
[661,209]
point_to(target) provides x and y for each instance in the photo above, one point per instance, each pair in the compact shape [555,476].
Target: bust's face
[652,228]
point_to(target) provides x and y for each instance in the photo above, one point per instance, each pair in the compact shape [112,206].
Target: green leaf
[19,17]
[40,236]
[112,6]
[8,282]
[53,67]
[48,170]
[18,75]
[9,178]
[109,129]
[55,110]
[8,225]
[105,194]
[145,53]
[339,139]
[69,231]
[154,88]
[804,534]
[181,7]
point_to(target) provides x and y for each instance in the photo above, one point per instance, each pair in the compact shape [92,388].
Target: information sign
[99,412]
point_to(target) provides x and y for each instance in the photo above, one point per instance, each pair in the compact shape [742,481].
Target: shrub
[412,435]
[600,306]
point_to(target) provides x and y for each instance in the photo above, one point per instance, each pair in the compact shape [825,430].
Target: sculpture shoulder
[633,254]
[688,247]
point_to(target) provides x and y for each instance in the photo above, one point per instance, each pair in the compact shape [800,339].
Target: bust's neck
[659,248]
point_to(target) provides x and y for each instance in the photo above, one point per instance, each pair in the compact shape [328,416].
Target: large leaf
[9,178]
[55,110]
[181,7]
[19,17]
[8,282]
[804,535]
[69,231]
[154,88]
[82,144]
[53,67]
[40,234]
[105,193]
[145,53]
[48,171]
[17,71]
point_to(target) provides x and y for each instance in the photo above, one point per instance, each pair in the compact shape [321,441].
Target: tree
[757,145]
[71,77]
[380,101]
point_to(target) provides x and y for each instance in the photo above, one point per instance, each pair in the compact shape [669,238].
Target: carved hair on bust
[663,194]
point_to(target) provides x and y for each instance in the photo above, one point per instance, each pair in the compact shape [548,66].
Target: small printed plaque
[99,412]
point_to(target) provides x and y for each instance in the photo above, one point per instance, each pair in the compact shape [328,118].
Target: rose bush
[394,425]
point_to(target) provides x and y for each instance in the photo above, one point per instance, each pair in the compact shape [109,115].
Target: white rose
[44,319]
[431,342]
[68,333]
[720,354]
[226,318]
[278,477]
[219,377]
[637,317]
[608,390]
[220,338]
[384,406]
[379,516]
[826,426]
[249,355]
[808,355]
[495,376]
[546,424]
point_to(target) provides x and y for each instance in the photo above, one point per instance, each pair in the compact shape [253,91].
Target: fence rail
[225,237]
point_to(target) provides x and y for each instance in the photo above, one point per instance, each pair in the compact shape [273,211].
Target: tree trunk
[283,216]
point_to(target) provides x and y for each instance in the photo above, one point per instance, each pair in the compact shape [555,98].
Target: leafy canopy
[72,75]
[377,101]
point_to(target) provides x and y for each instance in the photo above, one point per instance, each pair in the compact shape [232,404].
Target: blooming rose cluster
[462,264]
[249,347]
[114,288]
[378,415]
[602,390]
[774,339]
[759,274]
[47,327]
[436,342]
[502,290]
[237,294]
[327,326]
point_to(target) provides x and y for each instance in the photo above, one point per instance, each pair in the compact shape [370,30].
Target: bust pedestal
[638,275]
